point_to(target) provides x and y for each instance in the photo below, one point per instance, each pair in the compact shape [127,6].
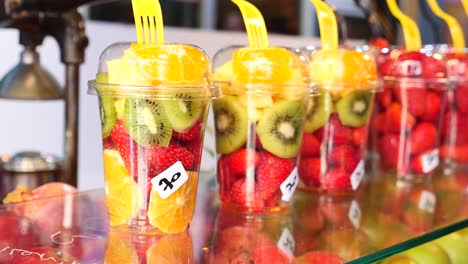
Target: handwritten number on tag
[169,184]
[292,184]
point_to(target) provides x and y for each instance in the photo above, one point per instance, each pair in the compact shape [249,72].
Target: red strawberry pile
[249,179]
[330,155]
[184,147]
[408,111]
[454,144]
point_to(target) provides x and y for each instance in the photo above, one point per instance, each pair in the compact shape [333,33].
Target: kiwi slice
[354,108]
[183,111]
[280,128]
[106,107]
[230,123]
[146,122]
[318,111]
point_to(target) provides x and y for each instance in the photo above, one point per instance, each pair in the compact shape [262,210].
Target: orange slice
[350,68]
[170,64]
[173,214]
[171,249]
[119,250]
[121,190]
[269,65]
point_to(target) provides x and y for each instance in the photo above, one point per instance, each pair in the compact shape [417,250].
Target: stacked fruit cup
[258,125]
[337,120]
[154,101]
[454,136]
[408,112]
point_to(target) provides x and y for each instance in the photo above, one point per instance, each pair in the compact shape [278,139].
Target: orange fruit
[121,190]
[119,250]
[173,214]
[170,64]
[171,249]
[271,65]
[353,69]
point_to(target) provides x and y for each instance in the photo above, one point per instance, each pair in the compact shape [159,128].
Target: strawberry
[423,138]
[412,96]
[343,156]
[379,43]
[128,148]
[360,136]
[225,178]
[268,255]
[319,134]
[241,160]
[397,119]
[246,194]
[386,68]
[319,257]
[337,179]
[271,172]
[433,68]
[433,106]
[338,133]
[461,98]
[379,123]
[384,97]
[461,153]
[108,143]
[389,148]
[191,134]
[160,158]
[310,145]
[309,171]
[417,164]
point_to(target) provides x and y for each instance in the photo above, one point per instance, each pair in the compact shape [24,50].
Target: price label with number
[358,175]
[430,161]
[289,185]
[427,201]
[286,242]
[355,214]
[170,180]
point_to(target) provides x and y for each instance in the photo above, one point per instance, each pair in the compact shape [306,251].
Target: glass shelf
[384,218]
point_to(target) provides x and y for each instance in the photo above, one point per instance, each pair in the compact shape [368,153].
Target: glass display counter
[384,218]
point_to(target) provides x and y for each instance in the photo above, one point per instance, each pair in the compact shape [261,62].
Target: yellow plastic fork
[327,24]
[148,21]
[410,28]
[454,27]
[254,24]
[465,6]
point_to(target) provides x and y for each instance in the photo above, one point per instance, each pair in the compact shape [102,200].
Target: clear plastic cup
[454,139]
[153,101]
[258,125]
[337,121]
[406,125]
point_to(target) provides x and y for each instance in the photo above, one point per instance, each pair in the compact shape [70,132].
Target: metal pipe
[70,167]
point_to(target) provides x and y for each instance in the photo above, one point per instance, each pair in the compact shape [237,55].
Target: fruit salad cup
[259,121]
[154,102]
[454,136]
[408,113]
[337,121]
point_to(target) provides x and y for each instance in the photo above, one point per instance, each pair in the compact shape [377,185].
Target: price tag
[357,175]
[410,67]
[430,161]
[355,214]
[427,201]
[289,185]
[170,180]
[286,242]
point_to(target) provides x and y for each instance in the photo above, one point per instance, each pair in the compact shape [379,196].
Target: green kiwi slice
[354,108]
[318,111]
[183,111]
[280,128]
[106,107]
[230,124]
[146,122]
